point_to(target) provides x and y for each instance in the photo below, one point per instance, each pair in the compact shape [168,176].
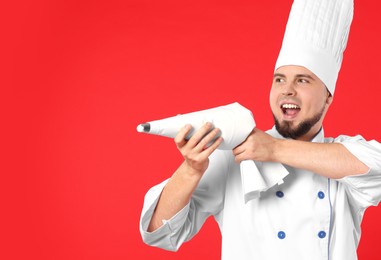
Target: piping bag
[236,123]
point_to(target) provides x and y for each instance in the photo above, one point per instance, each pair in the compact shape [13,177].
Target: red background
[79,76]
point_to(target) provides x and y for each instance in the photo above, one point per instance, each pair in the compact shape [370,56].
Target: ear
[329,99]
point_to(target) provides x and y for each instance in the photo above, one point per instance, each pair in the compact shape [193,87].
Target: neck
[310,135]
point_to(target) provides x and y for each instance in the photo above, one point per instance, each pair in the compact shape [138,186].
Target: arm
[331,160]
[180,187]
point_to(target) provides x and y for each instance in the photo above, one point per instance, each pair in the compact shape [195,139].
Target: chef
[317,211]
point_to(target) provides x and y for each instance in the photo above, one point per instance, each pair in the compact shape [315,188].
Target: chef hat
[316,36]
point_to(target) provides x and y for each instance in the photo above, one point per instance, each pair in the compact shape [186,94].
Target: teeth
[292,106]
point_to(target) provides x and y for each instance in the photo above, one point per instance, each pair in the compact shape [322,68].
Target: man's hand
[196,151]
[331,160]
[258,146]
[179,189]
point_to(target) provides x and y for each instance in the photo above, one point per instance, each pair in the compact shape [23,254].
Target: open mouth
[290,110]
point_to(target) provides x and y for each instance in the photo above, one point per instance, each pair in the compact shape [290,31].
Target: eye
[303,81]
[279,80]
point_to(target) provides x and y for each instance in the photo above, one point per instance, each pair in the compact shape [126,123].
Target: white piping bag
[236,123]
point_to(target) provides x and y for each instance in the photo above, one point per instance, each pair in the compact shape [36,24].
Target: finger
[181,135]
[208,139]
[199,134]
[238,158]
[208,151]
[238,150]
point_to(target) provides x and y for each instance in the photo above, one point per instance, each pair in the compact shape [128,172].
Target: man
[316,213]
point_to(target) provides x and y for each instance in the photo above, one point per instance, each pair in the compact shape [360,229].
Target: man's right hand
[198,148]
[178,191]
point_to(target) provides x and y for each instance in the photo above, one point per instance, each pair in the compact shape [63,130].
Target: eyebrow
[279,75]
[296,76]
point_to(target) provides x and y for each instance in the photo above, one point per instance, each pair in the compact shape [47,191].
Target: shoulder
[345,138]
[366,151]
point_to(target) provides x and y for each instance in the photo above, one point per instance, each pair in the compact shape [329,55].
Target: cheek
[314,104]
[271,96]
[272,99]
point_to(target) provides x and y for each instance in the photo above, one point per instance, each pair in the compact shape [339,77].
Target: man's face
[299,101]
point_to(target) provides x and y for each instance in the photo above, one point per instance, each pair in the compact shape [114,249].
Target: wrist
[277,148]
[190,172]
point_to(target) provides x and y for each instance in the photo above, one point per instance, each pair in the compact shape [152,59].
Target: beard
[288,131]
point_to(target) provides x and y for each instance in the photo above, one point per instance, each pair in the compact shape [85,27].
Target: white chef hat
[316,36]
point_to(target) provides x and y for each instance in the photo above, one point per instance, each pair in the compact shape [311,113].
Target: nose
[289,89]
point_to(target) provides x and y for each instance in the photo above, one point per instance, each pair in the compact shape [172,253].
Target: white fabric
[258,177]
[236,123]
[316,36]
[250,230]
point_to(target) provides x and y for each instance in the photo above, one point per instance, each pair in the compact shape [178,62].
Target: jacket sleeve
[364,189]
[207,200]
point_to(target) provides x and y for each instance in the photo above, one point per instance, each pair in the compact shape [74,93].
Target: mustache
[289,99]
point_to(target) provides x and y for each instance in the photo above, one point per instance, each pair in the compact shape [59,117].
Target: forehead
[291,71]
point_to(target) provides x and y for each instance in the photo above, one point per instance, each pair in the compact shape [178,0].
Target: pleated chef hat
[316,36]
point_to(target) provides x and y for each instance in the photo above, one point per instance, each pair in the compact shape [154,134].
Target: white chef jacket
[307,217]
